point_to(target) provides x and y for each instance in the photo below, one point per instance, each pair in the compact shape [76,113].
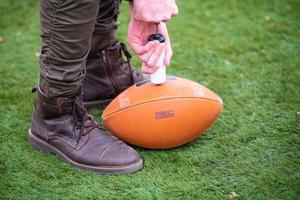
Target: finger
[155,18]
[168,53]
[164,18]
[162,28]
[153,60]
[148,69]
[168,56]
[174,9]
[141,49]
[145,57]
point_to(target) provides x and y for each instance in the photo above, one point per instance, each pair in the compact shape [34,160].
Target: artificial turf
[246,51]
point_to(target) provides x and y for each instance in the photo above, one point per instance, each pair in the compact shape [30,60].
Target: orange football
[162,116]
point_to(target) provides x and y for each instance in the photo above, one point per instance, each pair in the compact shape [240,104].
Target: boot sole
[46,148]
[96,104]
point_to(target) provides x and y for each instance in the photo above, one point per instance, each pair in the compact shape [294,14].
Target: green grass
[246,51]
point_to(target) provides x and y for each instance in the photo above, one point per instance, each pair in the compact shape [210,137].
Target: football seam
[103,118]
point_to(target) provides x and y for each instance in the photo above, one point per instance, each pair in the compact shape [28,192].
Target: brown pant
[69,30]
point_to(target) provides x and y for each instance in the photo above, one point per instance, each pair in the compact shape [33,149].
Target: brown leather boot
[108,73]
[62,126]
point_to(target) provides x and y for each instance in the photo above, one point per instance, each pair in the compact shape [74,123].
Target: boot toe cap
[119,154]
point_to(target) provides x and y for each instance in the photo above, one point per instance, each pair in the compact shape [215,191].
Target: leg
[60,123]
[66,30]
[108,73]
[104,35]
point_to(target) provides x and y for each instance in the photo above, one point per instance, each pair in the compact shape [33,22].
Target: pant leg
[106,25]
[66,31]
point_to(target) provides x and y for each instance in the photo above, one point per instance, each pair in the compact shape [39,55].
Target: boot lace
[81,119]
[128,57]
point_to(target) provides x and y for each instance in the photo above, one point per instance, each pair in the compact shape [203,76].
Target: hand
[154,11]
[149,52]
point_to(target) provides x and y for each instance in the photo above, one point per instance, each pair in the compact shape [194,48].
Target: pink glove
[149,52]
[154,10]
